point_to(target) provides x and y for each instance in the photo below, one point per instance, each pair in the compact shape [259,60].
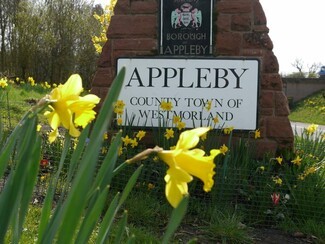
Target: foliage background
[48,39]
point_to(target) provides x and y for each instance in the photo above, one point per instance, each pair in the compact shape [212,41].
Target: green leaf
[176,218]
[83,180]
[92,217]
[130,185]
[121,228]
[108,220]
[11,196]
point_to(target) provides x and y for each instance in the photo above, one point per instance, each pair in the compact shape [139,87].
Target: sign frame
[184,24]
[251,109]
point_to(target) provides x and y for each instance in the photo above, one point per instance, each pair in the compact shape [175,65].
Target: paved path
[299,127]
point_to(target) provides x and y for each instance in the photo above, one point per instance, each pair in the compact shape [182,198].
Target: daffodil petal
[176,187]
[190,138]
[53,119]
[53,135]
[198,165]
[73,86]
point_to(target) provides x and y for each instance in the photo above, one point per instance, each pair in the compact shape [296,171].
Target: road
[299,127]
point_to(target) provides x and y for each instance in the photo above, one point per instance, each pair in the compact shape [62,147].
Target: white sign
[199,90]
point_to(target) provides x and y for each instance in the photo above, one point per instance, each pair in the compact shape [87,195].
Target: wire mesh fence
[266,191]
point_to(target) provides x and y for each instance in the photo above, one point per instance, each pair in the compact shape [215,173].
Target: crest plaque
[186,27]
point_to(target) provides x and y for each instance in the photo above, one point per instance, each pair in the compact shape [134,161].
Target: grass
[310,109]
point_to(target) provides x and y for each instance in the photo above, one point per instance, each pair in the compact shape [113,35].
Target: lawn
[310,110]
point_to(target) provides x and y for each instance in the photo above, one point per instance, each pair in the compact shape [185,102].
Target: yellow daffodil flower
[126,140]
[257,134]
[169,133]
[311,129]
[134,142]
[277,180]
[176,119]
[228,130]
[119,121]
[223,149]
[216,120]
[181,125]
[297,160]
[69,109]
[3,83]
[279,160]
[208,105]
[140,134]
[166,106]
[185,162]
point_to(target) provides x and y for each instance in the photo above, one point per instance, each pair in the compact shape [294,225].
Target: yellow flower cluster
[31,81]
[179,123]
[133,142]
[311,129]
[3,82]
[228,130]
[104,20]
[119,110]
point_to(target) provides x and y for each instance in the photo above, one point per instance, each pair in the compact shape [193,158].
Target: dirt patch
[273,236]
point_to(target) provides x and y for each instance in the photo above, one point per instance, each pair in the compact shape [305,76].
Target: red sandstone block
[279,128]
[281,104]
[267,99]
[144,7]
[223,23]
[234,7]
[228,43]
[122,7]
[241,22]
[270,64]
[256,52]
[135,44]
[133,26]
[105,57]
[266,111]
[271,81]
[257,40]
[264,147]
[103,77]
[259,15]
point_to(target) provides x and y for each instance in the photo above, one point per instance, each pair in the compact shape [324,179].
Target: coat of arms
[186,15]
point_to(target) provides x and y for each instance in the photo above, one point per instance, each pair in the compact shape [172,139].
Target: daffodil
[3,83]
[216,120]
[311,129]
[181,125]
[223,149]
[166,106]
[185,162]
[69,109]
[228,130]
[297,160]
[169,133]
[279,160]
[140,134]
[257,134]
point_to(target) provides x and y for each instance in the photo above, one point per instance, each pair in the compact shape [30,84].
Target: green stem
[8,110]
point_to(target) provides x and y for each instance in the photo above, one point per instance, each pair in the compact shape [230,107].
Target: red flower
[44,162]
[275,198]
